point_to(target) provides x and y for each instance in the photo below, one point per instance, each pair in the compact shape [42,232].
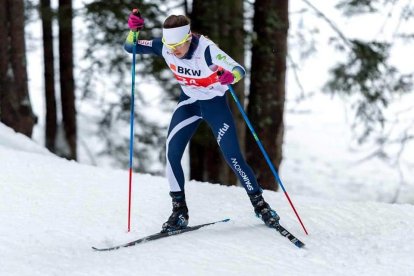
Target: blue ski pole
[256,138]
[131,137]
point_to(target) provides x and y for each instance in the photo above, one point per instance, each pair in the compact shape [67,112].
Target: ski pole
[131,137]
[256,138]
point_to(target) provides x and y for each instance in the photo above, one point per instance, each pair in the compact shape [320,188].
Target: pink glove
[225,77]
[135,21]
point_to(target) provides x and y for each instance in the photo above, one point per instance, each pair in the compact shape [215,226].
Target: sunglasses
[177,45]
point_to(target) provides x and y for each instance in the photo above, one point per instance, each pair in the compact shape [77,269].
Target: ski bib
[196,78]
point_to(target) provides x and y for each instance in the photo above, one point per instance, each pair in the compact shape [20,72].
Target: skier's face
[181,50]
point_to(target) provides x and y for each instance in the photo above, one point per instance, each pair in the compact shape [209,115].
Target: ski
[159,236]
[287,234]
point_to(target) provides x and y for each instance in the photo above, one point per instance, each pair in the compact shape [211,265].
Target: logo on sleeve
[145,42]
[223,58]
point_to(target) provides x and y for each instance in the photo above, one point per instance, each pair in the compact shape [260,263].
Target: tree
[376,80]
[106,32]
[49,74]
[369,78]
[367,73]
[222,21]
[15,107]
[267,88]
[67,83]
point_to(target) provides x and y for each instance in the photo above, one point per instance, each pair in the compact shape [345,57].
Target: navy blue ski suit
[190,111]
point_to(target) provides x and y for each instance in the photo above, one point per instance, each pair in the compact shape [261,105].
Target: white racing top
[197,79]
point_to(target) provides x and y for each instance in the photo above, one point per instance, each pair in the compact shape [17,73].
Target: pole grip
[135,11]
[220,71]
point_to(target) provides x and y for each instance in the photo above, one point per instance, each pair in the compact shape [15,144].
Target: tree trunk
[49,75]
[4,58]
[67,84]
[15,107]
[267,89]
[206,160]
[231,40]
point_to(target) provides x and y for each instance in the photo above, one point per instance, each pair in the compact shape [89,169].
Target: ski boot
[179,217]
[263,210]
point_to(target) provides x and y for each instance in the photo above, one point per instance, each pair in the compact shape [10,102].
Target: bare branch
[330,23]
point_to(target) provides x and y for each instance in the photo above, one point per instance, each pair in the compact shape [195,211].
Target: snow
[320,161]
[54,210]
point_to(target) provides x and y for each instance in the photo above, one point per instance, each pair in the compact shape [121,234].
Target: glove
[225,77]
[135,21]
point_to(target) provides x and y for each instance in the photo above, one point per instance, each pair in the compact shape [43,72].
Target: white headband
[175,35]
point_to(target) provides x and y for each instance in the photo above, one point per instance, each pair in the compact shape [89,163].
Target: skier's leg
[218,115]
[184,122]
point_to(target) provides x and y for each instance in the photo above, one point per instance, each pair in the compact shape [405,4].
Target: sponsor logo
[243,175]
[221,57]
[145,42]
[175,232]
[188,72]
[221,132]
[185,71]
[182,219]
[224,59]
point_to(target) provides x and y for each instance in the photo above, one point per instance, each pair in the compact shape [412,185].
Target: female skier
[195,62]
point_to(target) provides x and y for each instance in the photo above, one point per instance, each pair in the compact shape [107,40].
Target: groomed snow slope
[52,211]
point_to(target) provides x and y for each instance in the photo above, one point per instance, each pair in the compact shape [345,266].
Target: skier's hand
[225,77]
[135,21]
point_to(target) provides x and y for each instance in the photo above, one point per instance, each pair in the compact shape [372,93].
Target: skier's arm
[153,46]
[215,56]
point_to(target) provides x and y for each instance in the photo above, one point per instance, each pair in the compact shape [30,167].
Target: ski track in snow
[54,210]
